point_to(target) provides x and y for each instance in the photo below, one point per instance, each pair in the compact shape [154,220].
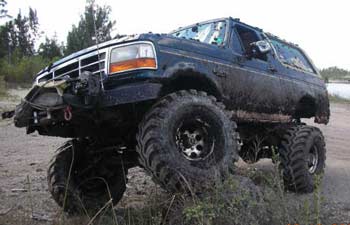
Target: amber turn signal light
[143,63]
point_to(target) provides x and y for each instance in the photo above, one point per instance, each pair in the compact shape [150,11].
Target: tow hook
[68,113]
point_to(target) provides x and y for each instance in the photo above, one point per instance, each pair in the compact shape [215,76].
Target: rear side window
[292,56]
[210,33]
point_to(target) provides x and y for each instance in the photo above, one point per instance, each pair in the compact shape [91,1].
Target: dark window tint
[291,56]
[210,33]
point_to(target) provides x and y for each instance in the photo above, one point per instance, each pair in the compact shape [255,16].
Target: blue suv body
[216,56]
[189,101]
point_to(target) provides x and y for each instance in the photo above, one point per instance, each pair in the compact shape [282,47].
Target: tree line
[21,56]
[335,73]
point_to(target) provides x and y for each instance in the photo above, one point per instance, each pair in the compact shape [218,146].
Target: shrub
[23,70]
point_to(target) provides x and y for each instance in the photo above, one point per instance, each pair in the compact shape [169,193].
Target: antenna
[97,44]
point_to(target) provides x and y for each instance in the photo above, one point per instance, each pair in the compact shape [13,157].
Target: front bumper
[130,94]
[27,115]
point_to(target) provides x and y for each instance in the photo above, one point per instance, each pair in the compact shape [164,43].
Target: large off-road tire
[187,141]
[82,180]
[302,157]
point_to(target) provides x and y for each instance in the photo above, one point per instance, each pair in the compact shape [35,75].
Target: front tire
[81,179]
[302,155]
[187,141]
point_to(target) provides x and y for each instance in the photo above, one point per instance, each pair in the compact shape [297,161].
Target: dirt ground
[24,159]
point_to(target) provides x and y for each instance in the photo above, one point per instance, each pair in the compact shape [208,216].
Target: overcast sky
[321,27]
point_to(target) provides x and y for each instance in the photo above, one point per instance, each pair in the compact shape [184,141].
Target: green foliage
[335,73]
[19,61]
[2,86]
[50,49]
[84,34]
[25,32]
[21,70]
[3,41]
[20,34]
[200,212]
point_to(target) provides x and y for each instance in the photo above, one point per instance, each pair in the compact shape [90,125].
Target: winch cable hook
[68,113]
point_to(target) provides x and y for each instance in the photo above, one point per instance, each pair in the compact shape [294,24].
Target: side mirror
[261,47]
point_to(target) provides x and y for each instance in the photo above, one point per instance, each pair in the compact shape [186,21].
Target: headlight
[131,57]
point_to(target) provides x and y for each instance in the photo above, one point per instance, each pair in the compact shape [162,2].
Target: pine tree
[3,10]
[50,49]
[84,34]
[27,32]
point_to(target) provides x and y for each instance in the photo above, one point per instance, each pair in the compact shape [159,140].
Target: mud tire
[87,193]
[160,154]
[296,146]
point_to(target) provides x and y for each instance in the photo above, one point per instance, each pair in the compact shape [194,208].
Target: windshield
[210,33]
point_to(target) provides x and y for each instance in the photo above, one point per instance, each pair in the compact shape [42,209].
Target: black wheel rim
[194,139]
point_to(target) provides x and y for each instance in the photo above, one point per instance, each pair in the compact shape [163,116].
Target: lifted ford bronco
[184,106]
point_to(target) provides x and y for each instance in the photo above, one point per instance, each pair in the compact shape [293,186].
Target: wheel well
[188,81]
[306,107]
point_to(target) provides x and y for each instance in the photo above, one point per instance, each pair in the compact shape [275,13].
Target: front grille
[46,77]
[93,63]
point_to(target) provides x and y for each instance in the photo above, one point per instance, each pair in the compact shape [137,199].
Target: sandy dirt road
[24,157]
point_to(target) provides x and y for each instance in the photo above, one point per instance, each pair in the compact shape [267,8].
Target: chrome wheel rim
[193,140]
[313,160]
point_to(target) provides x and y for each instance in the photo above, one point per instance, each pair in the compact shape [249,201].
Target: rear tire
[302,155]
[92,177]
[187,141]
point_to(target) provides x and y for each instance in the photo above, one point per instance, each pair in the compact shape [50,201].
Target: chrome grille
[92,62]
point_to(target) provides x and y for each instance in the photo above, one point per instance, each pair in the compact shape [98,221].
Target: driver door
[252,83]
